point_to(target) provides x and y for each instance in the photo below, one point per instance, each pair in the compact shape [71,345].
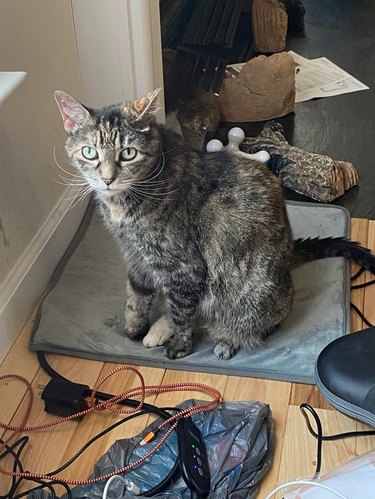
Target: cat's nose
[108,181]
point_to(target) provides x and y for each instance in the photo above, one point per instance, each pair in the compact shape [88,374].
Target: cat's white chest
[117,213]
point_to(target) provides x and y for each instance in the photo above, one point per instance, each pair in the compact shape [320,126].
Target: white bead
[262,156]
[214,145]
[236,135]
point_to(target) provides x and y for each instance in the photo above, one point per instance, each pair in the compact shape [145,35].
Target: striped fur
[208,231]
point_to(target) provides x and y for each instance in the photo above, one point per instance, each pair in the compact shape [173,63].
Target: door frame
[119,49]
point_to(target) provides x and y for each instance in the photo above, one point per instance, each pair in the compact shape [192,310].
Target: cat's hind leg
[245,327]
[225,349]
[238,336]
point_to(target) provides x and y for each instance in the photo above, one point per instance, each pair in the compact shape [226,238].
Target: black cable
[44,485]
[361,315]
[326,438]
[146,409]
[148,493]
[16,465]
[358,274]
[99,435]
[160,486]
[363,285]
[99,395]
[318,435]
[48,368]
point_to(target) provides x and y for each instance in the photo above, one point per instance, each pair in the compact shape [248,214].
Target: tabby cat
[207,230]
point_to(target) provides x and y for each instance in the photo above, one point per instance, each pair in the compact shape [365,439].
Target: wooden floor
[295,448]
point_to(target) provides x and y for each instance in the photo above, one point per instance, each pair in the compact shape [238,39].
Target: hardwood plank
[217,381]
[298,457]
[364,444]
[274,393]
[308,393]
[360,234]
[22,362]
[369,301]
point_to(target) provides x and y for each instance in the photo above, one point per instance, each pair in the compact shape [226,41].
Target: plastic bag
[239,438]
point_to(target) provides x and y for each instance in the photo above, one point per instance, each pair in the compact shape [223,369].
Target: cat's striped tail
[307,250]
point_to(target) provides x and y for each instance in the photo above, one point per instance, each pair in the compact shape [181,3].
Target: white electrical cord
[129,485]
[305,482]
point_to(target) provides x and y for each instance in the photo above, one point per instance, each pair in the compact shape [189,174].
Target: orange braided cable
[142,391]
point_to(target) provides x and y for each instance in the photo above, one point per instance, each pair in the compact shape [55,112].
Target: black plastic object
[208,35]
[192,455]
[64,398]
[345,375]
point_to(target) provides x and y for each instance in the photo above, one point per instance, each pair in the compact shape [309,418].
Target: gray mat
[82,315]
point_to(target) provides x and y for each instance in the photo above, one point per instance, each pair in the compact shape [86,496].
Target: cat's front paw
[136,331]
[176,348]
[158,333]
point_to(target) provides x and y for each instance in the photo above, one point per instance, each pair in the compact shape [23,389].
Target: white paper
[298,59]
[316,78]
[322,78]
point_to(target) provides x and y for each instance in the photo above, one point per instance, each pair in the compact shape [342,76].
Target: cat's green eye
[128,154]
[89,153]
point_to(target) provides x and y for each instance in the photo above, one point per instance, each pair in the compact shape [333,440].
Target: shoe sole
[344,406]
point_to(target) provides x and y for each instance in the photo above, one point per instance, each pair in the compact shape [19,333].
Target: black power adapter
[192,455]
[64,398]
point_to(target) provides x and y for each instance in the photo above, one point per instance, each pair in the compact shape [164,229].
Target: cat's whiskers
[69,182]
[165,152]
[156,182]
[155,185]
[157,191]
[63,169]
[150,180]
[133,195]
[66,184]
[80,197]
[137,196]
[78,193]
[149,176]
[150,195]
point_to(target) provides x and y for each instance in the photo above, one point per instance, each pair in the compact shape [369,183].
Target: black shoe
[345,375]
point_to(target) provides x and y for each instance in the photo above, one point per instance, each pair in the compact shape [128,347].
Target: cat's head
[114,148]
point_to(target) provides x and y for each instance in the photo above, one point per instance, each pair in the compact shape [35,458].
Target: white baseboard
[30,275]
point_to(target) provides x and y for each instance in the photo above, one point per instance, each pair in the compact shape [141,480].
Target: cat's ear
[147,106]
[74,115]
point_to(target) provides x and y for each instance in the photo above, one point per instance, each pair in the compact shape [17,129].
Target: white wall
[101,52]
[37,37]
